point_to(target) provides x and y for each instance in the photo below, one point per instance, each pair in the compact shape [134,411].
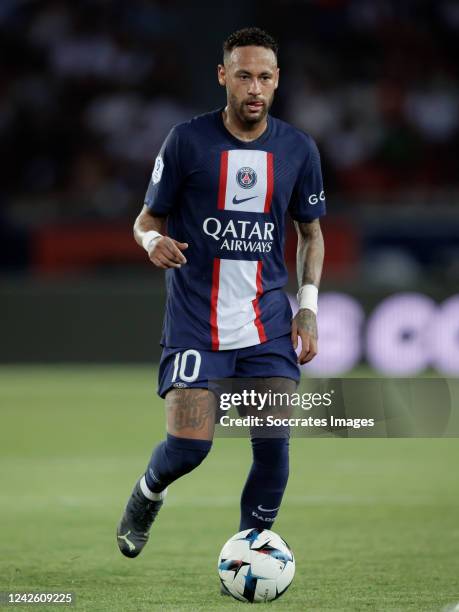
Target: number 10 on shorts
[186,361]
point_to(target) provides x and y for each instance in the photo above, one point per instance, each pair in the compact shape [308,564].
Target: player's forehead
[251,59]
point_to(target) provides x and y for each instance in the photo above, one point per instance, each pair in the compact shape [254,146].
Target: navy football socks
[265,485]
[263,490]
[173,458]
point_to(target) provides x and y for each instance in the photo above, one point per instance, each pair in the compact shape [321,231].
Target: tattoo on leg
[191,409]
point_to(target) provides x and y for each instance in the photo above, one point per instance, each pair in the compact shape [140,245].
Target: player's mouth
[254,107]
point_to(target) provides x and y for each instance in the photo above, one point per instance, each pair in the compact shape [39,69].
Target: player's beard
[243,114]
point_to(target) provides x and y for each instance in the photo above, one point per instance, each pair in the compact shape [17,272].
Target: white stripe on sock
[151,495]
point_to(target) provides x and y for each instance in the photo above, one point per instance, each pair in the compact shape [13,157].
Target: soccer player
[223,182]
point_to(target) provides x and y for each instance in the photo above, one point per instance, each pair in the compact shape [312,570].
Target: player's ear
[221,74]
[277,79]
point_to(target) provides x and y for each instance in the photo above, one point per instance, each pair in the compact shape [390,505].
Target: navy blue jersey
[228,200]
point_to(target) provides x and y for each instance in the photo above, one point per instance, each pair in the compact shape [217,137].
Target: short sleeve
[166,177]
[308,198]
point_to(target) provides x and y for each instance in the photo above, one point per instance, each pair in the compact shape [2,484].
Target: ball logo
[246,177]
[157,170]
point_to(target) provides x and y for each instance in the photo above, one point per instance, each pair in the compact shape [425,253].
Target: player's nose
[254,87]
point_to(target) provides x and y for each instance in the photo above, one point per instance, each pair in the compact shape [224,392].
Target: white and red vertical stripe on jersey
[237,284]
[257,196]
[234,310]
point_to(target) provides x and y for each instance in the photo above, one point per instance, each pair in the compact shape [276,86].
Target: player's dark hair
[250,37]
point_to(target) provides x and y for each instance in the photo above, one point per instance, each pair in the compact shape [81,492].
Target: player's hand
[304,325]
[167,253]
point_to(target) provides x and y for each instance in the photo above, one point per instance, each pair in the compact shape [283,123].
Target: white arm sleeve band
[307,297]
[148,239]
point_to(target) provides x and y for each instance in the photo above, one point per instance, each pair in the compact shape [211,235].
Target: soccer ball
[256,565]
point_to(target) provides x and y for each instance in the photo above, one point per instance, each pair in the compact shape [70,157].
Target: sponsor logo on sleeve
[157,170]
[315,199]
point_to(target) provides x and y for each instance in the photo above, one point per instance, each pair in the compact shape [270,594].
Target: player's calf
[265,486]
[173,458]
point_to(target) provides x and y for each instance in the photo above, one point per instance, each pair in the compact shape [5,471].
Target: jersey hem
[208,347]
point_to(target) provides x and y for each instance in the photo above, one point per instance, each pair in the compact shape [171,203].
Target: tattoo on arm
[306,321]
[310,253]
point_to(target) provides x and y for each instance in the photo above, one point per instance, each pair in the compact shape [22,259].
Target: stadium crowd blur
[89,90]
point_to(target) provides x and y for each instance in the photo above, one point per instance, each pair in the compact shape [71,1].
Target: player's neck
[241,130]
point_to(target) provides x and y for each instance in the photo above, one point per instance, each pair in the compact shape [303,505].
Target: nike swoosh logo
[236,201]
[261,509]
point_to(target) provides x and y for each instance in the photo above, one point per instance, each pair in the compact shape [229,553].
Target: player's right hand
[166,253]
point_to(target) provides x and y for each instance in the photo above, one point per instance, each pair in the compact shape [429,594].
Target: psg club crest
[246,177]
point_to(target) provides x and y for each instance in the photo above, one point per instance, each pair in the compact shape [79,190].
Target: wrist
[148,239]
[307,297]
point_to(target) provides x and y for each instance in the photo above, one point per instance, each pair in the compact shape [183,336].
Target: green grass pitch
[373,522]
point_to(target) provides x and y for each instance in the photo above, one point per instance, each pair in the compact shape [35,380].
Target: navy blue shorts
[193,368]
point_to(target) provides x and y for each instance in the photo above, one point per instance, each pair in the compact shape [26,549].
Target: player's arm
[310,257]
[163,251]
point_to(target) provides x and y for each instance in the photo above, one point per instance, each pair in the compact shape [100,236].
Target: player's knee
[185,454]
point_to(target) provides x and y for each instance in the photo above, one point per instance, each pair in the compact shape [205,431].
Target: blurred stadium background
[88,91]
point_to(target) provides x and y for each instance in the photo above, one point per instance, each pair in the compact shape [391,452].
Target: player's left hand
[304,325]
